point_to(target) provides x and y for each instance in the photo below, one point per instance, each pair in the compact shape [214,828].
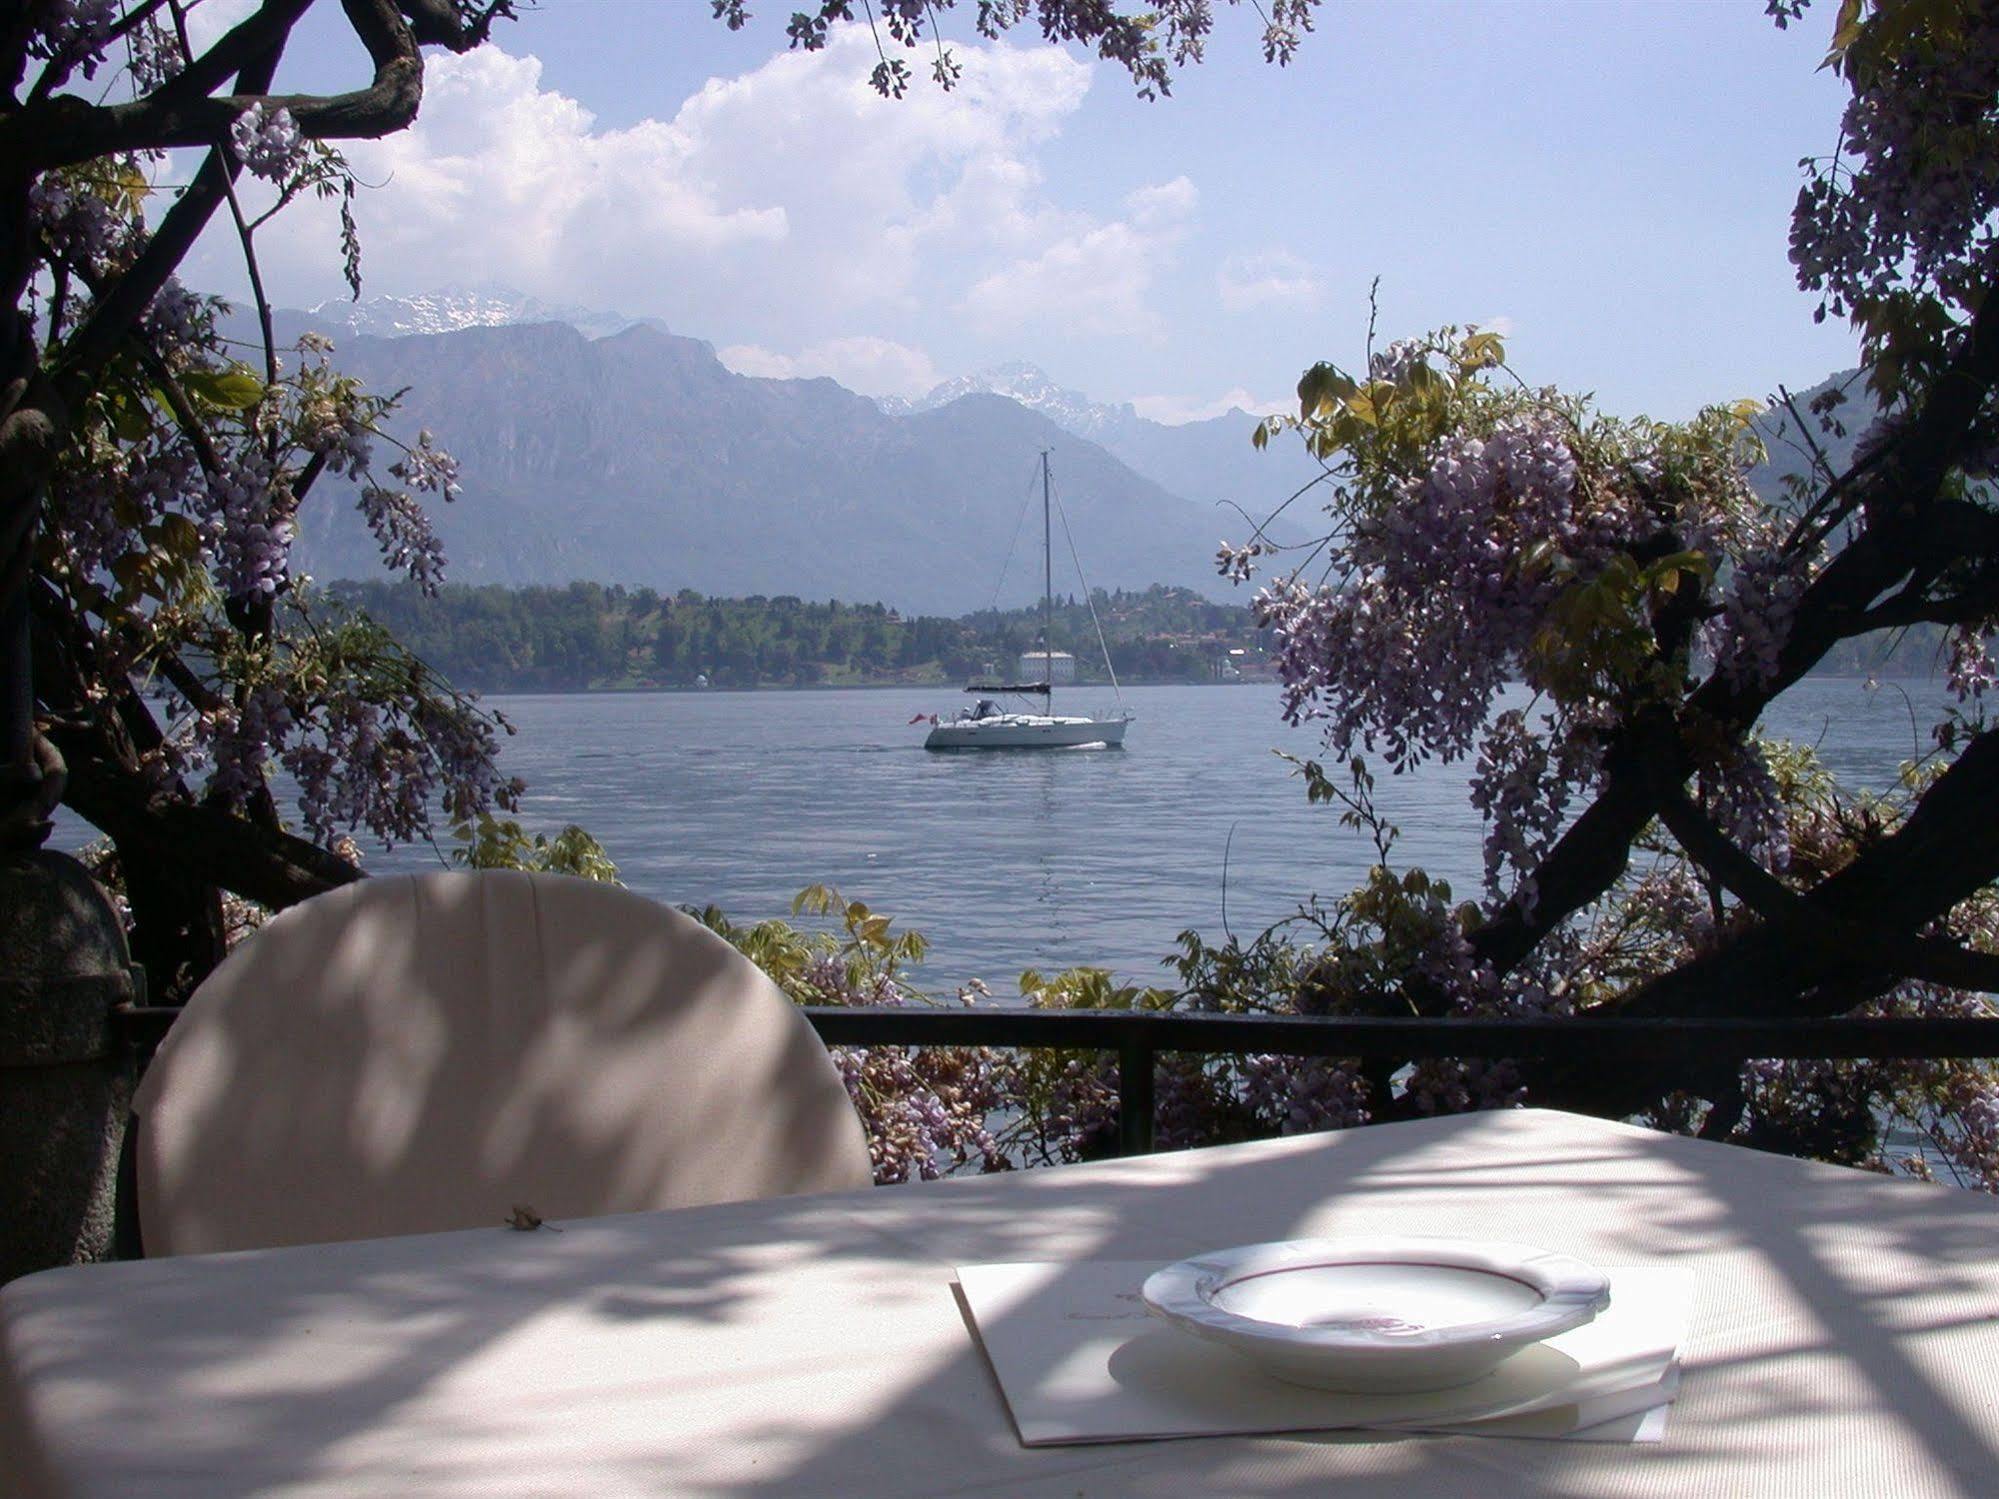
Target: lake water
[1039,858]
[1010,860]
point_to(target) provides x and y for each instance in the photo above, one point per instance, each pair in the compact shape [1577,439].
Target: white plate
[1377,1314]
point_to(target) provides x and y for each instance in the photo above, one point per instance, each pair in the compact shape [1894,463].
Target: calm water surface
[1030,858]
[1009,860]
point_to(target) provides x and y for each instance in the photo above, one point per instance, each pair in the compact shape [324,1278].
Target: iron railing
[1137,1038]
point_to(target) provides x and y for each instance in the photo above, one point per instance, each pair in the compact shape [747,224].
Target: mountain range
[1210,459]
[453,308]
[607,448]
[637,457]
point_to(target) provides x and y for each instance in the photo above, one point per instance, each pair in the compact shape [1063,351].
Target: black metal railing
[1137,1037]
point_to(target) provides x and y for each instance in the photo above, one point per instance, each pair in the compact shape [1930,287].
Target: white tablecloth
[1845,1337]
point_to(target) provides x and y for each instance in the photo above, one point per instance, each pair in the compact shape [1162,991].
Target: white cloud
[1096,278]
[783,207]
[1275,278]
[872,366]
[1163,206]
[501,181]
[208,20]
[1500,324]
[1174,411]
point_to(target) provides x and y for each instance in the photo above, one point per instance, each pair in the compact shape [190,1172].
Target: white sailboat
[986,725]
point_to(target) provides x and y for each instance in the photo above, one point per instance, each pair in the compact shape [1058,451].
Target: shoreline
[835,687]
[940,686]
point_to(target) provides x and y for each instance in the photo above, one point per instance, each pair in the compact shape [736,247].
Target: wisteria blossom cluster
[362,758]
[172,525]
[269,143]
[1486,534]
[1970,671]
[1904,209]
[71,33]
[1912,1115]
[1437,591]
[1524,796]
[930,1111]
[177,319]
[78,217]
[1302,1095]
[156,56]
[1746,639]
[253,555]
[927,1111]
[1469,555]
[1489,535]
[1639,601]
[1743,799]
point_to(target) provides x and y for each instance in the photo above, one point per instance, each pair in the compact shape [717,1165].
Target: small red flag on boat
[920,717]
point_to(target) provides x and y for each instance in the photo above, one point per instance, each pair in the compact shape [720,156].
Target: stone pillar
[65,1067]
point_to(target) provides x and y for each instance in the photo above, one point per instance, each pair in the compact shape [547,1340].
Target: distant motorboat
[986,725]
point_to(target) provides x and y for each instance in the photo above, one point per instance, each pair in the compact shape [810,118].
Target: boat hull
[1027,731]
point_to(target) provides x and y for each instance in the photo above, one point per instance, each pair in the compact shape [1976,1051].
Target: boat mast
[1047,592]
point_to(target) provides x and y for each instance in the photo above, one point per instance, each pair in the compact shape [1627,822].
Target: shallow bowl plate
[1379,1313]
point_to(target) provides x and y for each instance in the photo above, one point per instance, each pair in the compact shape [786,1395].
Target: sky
[1609,184]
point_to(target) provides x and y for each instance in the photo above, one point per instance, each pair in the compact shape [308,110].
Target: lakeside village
[598,637]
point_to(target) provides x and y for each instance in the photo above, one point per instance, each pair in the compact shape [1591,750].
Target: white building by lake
[1060,666]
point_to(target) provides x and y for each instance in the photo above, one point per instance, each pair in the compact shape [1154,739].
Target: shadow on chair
[419,1053]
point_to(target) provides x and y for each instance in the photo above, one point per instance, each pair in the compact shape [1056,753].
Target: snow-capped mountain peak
[452,308]
[1031,386]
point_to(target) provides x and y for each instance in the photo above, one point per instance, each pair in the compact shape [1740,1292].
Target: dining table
[1842,1336]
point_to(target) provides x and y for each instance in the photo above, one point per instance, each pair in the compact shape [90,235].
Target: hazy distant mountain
[1030,386]
[640,459]
[1212,460]
[1792,443]
[454,308]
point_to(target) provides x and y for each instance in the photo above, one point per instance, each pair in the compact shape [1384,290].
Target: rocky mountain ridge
[1204,460]
[452,309]
[641,459]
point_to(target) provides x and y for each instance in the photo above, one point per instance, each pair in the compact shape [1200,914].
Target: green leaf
[817,899]
[179,536]
[130,421]
[1845,32]
[1480,350]
[233,389]
[1320,386]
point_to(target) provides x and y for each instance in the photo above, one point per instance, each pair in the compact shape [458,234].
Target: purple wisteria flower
[267,142]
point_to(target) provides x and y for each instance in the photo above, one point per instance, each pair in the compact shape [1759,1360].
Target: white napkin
[1078,1359]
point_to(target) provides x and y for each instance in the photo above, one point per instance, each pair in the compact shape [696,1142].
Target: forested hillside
[588,635]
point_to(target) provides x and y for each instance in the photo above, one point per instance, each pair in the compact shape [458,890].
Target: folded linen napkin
[1078,1359]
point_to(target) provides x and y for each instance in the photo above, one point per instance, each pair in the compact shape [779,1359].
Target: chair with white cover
[410,1054]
